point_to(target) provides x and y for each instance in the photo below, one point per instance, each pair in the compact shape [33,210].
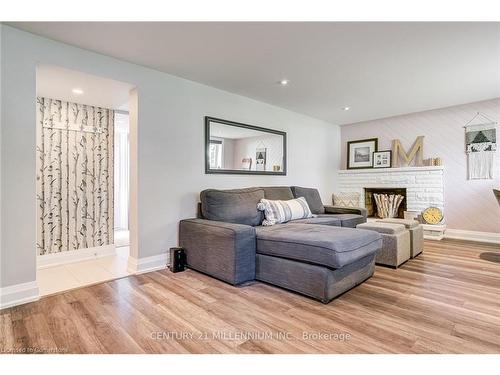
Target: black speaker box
[177,259]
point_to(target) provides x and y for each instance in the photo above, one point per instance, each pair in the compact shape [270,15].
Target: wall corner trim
[148,264]
[18,294]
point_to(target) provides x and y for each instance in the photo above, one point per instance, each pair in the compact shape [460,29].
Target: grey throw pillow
[312,197]
[238,206]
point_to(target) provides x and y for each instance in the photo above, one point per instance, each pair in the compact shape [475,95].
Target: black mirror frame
[208,119]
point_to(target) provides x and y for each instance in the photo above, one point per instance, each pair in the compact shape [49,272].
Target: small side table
[434,232]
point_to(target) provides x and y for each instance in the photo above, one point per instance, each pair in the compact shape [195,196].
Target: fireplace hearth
[371,206]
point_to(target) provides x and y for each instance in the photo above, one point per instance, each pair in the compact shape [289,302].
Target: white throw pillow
[277,212]
[346,199]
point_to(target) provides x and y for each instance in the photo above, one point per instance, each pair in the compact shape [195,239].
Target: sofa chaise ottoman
[317,257]
[316,260]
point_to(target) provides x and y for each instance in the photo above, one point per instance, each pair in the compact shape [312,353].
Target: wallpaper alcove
[74,176]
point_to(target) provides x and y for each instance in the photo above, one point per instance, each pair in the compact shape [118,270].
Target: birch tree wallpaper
[74,176]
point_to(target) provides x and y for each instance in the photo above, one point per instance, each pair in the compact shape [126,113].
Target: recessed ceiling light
[346,108]
[77,91]
[284,82]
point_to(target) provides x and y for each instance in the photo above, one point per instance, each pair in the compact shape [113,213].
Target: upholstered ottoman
[416,233]
[395,243]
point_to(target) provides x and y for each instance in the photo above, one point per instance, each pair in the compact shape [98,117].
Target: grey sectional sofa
[321,257]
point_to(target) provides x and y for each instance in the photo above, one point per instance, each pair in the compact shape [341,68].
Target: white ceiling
[57,83]
[378,69]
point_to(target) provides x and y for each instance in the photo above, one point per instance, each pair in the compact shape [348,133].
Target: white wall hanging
[480,140]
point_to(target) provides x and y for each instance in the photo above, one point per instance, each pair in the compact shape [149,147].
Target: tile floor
[74,275]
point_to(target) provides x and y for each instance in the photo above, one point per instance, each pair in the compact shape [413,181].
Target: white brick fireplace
[424,185]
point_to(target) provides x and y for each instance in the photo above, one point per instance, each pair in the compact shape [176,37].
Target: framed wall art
[360,153]
[382,159]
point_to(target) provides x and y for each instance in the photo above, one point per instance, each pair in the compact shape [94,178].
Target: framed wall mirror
[235,148]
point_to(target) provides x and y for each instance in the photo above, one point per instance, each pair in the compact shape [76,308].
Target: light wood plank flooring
[445,301]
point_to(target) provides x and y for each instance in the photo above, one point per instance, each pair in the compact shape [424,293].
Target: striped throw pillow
[277,212]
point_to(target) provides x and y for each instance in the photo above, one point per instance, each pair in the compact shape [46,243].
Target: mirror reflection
[239,148]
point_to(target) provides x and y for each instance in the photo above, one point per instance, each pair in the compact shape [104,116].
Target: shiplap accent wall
[469,205]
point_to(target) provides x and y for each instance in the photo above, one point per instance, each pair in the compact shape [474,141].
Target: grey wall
[170,146]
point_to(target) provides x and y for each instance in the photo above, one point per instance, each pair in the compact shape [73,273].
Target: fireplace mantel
[391,170]
[424,185]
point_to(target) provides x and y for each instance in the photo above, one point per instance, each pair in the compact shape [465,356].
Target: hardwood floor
[445,301]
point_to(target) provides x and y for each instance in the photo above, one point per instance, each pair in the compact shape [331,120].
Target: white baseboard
[468,235]
[148,264]
[65,257]
[18,294]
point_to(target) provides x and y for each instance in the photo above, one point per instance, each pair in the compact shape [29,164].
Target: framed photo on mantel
[382,159]
[360,153]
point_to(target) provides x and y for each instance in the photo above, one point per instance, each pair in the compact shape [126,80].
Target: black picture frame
[208,170]
[382,152]
[375,149]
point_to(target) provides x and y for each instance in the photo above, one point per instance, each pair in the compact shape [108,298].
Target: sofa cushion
[312,198]
[237,206]
[325,245]
[346,210]
[277,212]
[349,220]
[282,193]
[319,220]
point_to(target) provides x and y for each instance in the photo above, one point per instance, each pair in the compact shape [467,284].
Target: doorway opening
[83,162]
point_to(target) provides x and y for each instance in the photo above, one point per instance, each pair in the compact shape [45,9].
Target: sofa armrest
[346,210]
[223,250]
